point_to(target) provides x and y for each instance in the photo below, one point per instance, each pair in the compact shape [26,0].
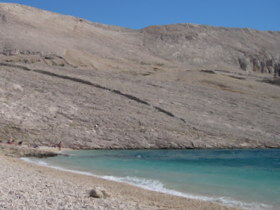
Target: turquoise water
[243,178]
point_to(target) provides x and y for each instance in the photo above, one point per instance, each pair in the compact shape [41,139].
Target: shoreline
[227,202]
[121,195]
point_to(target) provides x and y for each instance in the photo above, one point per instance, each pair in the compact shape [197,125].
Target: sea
[248,178]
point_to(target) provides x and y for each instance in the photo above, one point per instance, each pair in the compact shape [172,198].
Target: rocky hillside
[31,35]
[216,48]
[96,86]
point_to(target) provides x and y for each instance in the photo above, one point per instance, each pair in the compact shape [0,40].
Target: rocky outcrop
[30,57]
[215,47]
[263,65]
[277,70]
[23,151]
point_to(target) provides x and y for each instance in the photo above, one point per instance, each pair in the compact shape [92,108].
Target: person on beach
[11,142]
[59,146]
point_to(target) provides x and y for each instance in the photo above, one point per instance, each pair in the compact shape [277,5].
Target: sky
[136,14]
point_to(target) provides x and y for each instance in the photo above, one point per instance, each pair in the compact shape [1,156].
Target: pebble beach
[27,186]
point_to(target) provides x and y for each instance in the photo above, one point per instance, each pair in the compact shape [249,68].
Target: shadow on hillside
[275,81]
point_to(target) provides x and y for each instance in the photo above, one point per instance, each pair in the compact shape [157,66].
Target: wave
[157,186]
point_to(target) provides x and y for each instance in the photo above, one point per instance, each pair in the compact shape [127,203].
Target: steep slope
[95,86]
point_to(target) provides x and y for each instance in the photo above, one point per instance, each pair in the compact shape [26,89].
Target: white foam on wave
[37,161]
[42,163]
[157,186]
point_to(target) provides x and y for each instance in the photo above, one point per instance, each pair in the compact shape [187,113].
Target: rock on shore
[24,151]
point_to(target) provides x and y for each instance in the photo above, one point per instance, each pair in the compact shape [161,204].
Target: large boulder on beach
[98,192]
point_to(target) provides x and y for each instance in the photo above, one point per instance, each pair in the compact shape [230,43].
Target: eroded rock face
[30,57]
[265,64]
[200,45]
[277,70]
[244,63]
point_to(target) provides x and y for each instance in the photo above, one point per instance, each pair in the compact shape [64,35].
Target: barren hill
[91,85]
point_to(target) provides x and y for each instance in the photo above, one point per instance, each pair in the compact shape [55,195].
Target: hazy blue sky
[258,14]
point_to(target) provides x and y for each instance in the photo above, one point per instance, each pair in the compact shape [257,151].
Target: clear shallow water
[242,178]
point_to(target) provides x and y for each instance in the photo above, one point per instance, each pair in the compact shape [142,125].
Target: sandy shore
[28,186]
